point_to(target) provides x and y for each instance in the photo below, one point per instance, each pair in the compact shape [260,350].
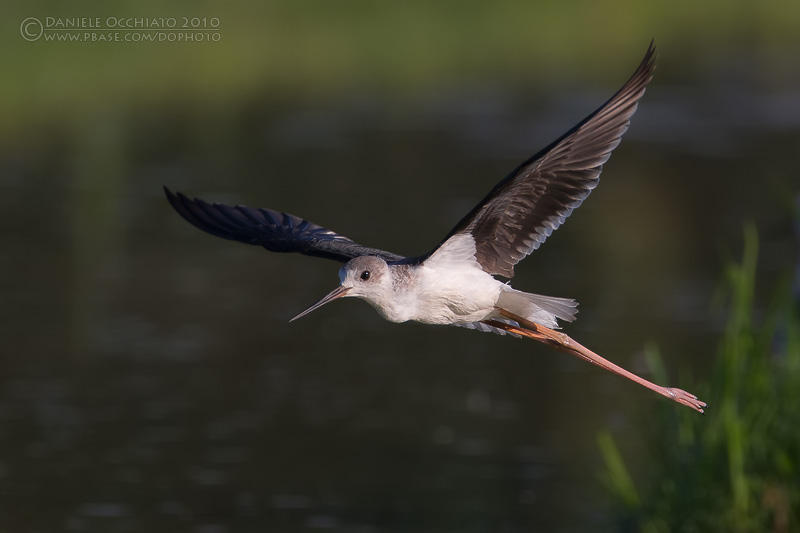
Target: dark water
[149,380]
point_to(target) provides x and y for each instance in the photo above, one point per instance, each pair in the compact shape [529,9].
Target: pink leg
[563,342]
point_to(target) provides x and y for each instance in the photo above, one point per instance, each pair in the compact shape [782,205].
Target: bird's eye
[365,275]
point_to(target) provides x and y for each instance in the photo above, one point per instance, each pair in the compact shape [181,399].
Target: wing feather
[521,211]
[275,231]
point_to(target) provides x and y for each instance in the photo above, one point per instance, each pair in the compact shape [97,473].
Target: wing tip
[178,201]
[651,50]
[170,195]
[647,66]
[198,213]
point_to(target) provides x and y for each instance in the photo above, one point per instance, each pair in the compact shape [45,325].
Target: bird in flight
[455,284]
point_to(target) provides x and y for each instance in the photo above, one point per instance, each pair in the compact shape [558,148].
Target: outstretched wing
[521,211]
[275,231]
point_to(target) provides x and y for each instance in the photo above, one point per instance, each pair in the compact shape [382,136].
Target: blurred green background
[149,380]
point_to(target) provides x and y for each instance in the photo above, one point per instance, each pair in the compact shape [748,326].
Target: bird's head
[366,277]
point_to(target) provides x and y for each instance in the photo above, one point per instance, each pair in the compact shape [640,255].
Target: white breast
[449,287]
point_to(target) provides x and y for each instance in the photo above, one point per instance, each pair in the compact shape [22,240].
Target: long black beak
[336,293]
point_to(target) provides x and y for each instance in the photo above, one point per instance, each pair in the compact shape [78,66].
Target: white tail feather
[543,310]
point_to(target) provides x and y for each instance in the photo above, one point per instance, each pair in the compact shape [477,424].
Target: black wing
[521,211]
[275,231]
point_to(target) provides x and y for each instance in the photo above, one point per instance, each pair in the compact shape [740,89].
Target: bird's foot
[686,398]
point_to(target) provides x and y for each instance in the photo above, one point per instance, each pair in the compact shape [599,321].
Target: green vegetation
[321,49]
[738,467]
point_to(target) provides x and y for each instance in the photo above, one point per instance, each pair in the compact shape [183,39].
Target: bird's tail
[543,310]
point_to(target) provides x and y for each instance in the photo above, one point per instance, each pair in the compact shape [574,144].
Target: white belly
[456,296]
[449,287]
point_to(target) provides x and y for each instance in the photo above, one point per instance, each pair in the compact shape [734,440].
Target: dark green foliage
[738,467]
